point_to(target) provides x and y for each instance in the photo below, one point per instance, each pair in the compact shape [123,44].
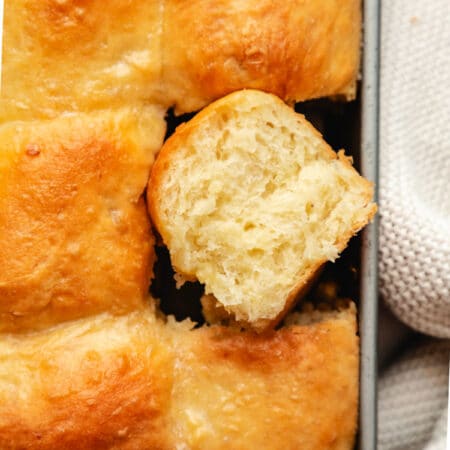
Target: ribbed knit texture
[412,399]
[415,163]
[415,217]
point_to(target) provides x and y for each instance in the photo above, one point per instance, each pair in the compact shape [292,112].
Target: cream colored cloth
[412,399]
[415,216]
[415,163]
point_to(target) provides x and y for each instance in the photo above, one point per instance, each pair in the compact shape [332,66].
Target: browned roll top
[76,55]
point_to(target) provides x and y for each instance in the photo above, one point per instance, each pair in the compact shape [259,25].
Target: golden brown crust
[79,55]
[294,49]
[258,391]
[100,383]
[74,233]
[132,382]
[73,55]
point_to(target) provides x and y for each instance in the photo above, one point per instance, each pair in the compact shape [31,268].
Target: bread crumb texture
[251,201]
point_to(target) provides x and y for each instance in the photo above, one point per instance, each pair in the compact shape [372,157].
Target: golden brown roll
[294,388]
[74,55]
[132,382]
[295,49]
[74,234]
[98,383]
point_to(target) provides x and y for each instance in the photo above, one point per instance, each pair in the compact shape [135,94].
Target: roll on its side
[295,49]
[251,201]
[133,382]
[75,236]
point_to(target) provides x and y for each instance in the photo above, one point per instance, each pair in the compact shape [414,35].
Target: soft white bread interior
[134,382]
[251,201]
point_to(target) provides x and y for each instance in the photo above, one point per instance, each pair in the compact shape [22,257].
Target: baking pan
[368,310]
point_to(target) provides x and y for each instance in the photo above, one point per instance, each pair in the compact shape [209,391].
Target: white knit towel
[415,163]
[412,400]
[415,216]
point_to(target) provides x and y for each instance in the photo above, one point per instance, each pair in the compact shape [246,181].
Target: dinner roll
[135,382]
[251,202]
[102,382]
[73,55]
[74,233]
[295,49]
[293,388]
